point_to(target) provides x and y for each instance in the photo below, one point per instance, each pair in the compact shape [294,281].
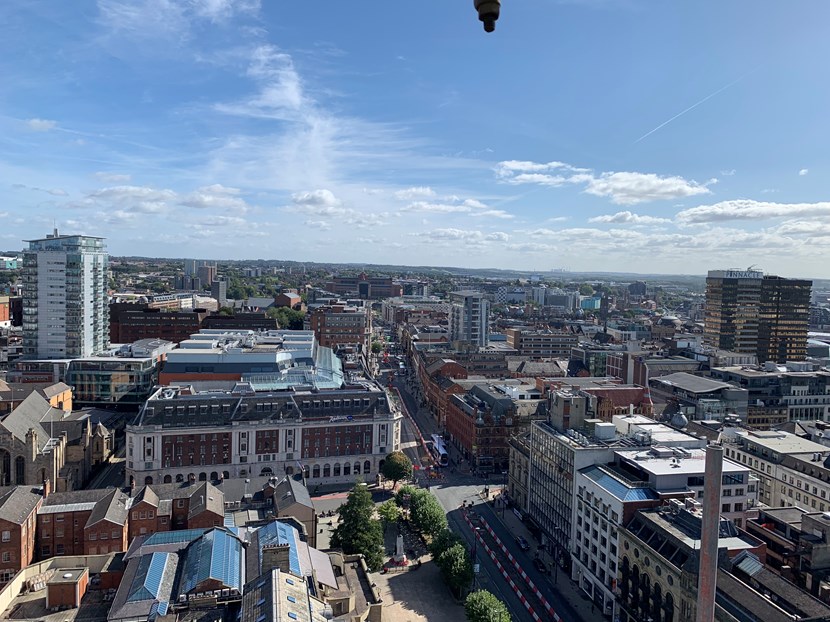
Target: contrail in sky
[693,106]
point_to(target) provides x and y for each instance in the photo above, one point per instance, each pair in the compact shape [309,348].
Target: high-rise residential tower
[65,305]
[755,314]
[470,318]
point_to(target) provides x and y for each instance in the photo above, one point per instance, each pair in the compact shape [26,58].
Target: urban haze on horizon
[240,129]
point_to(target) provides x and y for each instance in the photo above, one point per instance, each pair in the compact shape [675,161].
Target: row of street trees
[451,557]
[483,606]
[425,513]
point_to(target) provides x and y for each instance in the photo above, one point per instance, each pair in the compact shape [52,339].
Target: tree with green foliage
[358,532]
[442,541]
[483,606]
[287,318]
[404,495]
[456,567]
[389,512]
[225,311]
[377,347]
[426,513]
[396,466]
[586,290]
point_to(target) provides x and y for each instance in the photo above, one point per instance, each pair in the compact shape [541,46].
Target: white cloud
[55,192]
[316,198]
[728,172]
[628,218]
[439,208]
[420,192]
[538,178]
[747,209]
[463,235]
[136,198]
[493,213]
[167,19]
[632,188]
[41,125]
[509,168]
[112,178]
[222,221]
[623,188]
[803,172]
[219,10]
[215,196]
[281,94]
[322,225]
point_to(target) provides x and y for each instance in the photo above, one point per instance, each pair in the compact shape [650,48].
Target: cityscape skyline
[234,126]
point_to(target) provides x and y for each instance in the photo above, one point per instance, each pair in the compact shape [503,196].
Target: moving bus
[439,450]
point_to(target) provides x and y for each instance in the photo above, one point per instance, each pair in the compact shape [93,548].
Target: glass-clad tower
[65,304]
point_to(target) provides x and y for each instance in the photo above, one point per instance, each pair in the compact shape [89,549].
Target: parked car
[540,565]
[523,544]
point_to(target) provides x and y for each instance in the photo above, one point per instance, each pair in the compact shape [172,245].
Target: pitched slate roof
[18,502]
[112,508]
[30,414]
[73,501]
[290,491]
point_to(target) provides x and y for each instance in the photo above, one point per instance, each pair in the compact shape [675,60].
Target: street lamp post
[476,530]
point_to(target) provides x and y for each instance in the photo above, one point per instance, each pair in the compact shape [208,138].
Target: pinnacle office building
[262,427]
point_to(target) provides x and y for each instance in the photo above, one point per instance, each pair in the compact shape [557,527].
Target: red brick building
[18,521]
[130,323]
[167,507]
[342,324]
[82,522]
[481,421]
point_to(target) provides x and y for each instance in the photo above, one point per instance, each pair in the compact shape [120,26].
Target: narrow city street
[458,486]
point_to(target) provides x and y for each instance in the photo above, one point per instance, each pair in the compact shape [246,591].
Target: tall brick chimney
[710,534]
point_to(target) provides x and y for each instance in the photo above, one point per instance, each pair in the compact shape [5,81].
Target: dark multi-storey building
[541,344]
[755,314]
[363,286]
[130,322]
[784,319]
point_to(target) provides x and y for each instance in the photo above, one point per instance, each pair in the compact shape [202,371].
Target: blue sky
[625,135]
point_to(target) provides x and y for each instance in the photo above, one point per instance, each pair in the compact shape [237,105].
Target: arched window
[656,601]
[168,479]
[226,474]
[326,470]
[357,468]
[367,467]
[19,470]
[191,477]
[668,608]
[337,470]
[289,470]
[179,478]
[6,475]
[148,481]
[347,469]
[214,476]
[315,472]
[266,472]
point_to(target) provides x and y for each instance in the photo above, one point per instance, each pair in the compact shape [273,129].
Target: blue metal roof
[158,608]
[172,537]
[146,583]
[216,555]
[279,533]
[616,487]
